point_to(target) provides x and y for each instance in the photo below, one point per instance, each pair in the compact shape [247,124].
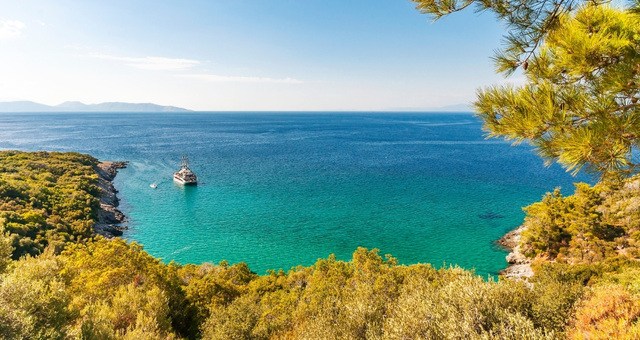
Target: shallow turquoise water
[284,189]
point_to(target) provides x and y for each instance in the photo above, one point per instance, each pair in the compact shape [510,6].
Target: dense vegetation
[46,199]
[111,289]
[592,225]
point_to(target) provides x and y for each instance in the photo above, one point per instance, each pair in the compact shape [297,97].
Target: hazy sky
[244,54]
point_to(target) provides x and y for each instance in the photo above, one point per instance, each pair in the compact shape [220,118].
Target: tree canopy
[46,199]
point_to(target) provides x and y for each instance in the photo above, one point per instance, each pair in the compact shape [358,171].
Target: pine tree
[579,105]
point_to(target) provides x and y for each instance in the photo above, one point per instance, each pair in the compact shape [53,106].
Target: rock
[517,258]
[490,215]
[109,170]
[110,214]
[109,230]
[109,217]
[518,271]
[519,265]
[511,239]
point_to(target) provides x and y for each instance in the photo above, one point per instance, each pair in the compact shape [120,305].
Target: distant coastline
[74,106]
[27,106]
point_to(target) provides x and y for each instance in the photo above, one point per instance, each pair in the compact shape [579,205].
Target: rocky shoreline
[110,219]
[519,265]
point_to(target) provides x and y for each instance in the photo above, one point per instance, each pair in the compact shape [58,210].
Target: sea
[282,189]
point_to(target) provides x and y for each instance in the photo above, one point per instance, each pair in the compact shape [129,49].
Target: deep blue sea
[284,189]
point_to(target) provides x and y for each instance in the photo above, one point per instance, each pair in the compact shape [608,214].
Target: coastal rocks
[109,217]
[518,271]
[519,265]
[517,258]
[109,170]
[109,230]
[510,240]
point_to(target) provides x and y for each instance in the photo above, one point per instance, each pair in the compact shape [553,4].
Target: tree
[33,300]
[5,250]
[579,105]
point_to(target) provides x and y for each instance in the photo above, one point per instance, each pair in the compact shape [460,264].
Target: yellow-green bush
[33,300]
[46,198]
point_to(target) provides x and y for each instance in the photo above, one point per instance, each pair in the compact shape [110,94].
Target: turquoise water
[284,189]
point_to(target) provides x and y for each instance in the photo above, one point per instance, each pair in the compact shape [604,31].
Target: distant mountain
[28,106]
[23,106]
[72,106]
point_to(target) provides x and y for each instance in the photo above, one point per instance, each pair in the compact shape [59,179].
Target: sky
[245,55]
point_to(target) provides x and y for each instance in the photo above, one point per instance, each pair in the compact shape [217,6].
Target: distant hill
[23,106]
[28,106]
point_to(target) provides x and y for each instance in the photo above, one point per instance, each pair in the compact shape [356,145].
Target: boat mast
[185,162]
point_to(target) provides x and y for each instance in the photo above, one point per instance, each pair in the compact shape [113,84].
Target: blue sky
[245,55]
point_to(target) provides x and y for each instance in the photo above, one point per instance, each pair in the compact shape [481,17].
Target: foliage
[528,23]
[591,237]
[592,225]
[206,285]
[112,289]
[46,198]
[6,250]
[556,289]
[609,312]
[579,105]
[106,277]
[33,301]
[373,298]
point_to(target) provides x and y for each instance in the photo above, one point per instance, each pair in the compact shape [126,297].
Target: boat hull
[183,181]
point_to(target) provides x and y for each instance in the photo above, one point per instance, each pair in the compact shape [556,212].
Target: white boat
[153,185]
[185,176]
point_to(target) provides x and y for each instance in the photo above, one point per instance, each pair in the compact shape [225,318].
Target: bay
[284,189]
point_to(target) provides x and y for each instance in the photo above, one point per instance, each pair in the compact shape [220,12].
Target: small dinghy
[153,185]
